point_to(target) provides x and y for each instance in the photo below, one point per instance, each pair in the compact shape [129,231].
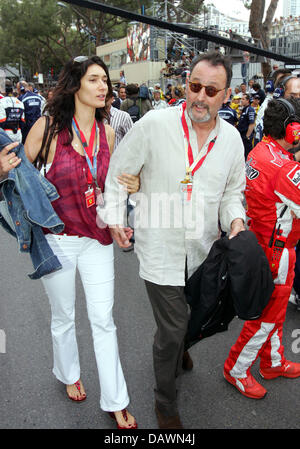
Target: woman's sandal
[124,413]
[77,399]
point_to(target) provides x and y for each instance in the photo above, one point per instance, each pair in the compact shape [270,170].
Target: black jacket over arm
[235,279]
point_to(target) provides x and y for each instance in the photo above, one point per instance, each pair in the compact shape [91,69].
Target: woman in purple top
[76,161]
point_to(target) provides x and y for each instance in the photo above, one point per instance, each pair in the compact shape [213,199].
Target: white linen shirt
[155,148]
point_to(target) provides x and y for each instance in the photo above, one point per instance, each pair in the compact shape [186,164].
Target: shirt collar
[275,144]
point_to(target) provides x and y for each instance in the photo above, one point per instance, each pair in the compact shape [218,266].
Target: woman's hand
[8,160]
[121,235]
[130,182]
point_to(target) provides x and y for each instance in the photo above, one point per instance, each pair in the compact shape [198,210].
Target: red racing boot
[288,369]
[248,386]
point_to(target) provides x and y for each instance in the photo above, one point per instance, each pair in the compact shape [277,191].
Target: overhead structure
[181,29]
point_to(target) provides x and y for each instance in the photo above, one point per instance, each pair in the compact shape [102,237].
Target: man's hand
[237,226]
[121,235]
[8,161]
[130,182]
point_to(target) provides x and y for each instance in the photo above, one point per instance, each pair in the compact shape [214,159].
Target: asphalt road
[31,397]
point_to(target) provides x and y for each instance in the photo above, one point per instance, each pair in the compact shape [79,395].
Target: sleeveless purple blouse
[68,173]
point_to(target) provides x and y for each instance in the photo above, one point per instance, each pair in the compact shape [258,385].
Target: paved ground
[31,398]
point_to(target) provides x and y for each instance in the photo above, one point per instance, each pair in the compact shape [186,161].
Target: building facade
[291,8]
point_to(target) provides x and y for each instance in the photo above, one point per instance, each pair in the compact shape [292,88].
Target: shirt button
[9,203]
[17,223]
[25,246]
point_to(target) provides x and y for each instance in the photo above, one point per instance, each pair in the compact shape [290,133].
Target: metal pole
[166,36]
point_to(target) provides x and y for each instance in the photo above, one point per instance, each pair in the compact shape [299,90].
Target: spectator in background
[168,93]
[132,98]
[168,70]
[158,88]
[122,78]
[270,90]
[235,104]
[116,100]
[21,89]
[122,93]
[251,91]
[178,95]
[255,103]
[260,92]
[120,121]
[243,87]
[31,87]
[238,92]
[157,102]
[39,93]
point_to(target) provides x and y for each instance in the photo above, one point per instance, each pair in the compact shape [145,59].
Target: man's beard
[204,119]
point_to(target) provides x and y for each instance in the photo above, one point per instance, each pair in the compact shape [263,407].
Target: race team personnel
[228,114]
[246,123]
[273,202]
[11,114]
[33,107]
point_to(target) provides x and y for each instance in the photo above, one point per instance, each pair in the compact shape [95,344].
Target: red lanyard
[88,148]
[194,165]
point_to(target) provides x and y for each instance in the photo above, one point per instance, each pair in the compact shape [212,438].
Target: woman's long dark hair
[61,107]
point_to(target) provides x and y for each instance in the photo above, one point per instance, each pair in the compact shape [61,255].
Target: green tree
[179,11]
[260,23]
[46,33]
[42,35]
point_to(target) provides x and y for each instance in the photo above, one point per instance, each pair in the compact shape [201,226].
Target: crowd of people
[96,147]
[20,107]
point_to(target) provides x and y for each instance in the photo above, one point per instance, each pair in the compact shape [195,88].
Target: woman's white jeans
[95,264]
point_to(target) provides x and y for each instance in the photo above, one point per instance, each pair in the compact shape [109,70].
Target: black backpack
[134,111]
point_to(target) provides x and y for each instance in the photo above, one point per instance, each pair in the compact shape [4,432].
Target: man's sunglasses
[80,59]
[210,91]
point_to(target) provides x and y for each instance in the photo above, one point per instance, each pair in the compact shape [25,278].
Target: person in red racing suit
[273,182]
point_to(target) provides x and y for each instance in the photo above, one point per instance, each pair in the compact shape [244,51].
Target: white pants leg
[60,288]
[95,264]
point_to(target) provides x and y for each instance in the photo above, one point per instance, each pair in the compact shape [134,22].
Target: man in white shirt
[192,173]
[157,102]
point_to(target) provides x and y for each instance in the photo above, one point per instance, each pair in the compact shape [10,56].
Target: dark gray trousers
[170,311]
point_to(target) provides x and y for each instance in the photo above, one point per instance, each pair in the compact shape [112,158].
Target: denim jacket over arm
[26,208]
